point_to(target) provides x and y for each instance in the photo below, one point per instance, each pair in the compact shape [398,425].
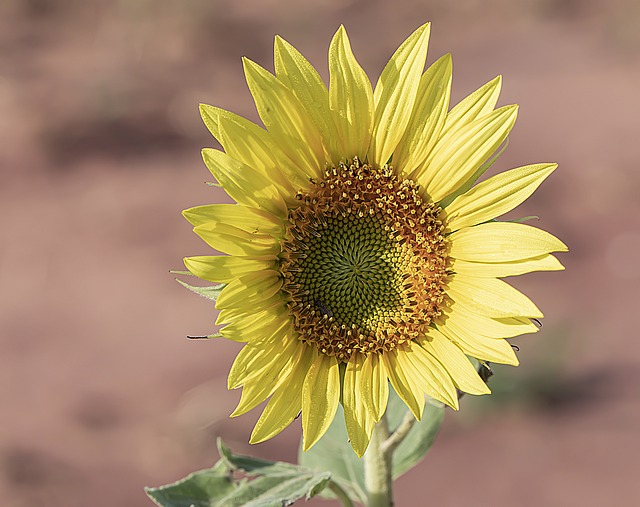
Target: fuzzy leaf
[266,484]
[196,489]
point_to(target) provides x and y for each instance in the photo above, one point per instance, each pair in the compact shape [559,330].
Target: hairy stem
[377,468]
[396,438]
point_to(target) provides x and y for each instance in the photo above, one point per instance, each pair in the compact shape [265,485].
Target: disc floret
[364,261]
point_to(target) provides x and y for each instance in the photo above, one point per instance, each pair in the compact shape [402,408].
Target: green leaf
[274,491]
[210,292]
[421,436]
[255,466]
[262,484]
[196,489]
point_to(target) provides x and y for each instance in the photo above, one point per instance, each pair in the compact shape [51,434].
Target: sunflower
[359,251]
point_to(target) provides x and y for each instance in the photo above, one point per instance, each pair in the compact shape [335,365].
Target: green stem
[341,494]
[377,468]
[395,439]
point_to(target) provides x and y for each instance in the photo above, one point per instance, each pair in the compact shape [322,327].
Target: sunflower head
[360,253]
[364,262]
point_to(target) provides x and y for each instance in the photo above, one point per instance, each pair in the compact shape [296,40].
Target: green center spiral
[353,271]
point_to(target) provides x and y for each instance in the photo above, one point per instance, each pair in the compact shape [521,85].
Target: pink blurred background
[101,393]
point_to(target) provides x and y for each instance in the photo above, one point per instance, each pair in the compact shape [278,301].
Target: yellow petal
[464,375]
[244,184]
[256,155]
[320,396]
[427,118]
[350,97]
[223,268]
[249,289]
[400,373]
[479,103]
[253,144]
[395,95]
[285,118]
[491,297]
[233,241]
[502,242]
[210,116]
[258,355]
[358,420]
[458,154]
[429,374]
[374,385]
[303,80]
[459,316]
[496,195]
[263,384]
[546,262]
[485,349]
[483,168]
[260,326]
[286,403]
[256,392]
[236,313]
[244,218]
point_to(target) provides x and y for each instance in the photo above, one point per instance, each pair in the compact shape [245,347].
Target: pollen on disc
[364,261]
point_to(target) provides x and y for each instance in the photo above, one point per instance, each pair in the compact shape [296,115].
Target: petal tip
[279,43]
[235,413]
[256,440]
[359,452]
[423,30]
[511,109]
[341,32]
[248,64]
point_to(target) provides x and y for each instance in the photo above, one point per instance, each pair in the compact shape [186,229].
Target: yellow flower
[359,252]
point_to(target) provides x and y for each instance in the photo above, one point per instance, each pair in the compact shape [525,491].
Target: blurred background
[100,138]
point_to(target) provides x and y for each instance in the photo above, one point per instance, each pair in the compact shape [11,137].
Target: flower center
[364,261]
